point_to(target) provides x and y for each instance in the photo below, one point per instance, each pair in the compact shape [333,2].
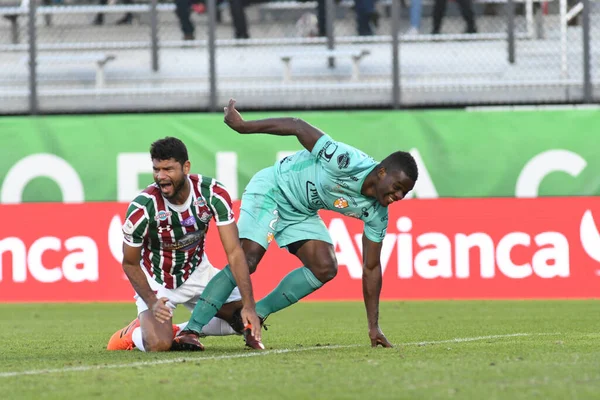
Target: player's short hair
[402,161]
[167,148]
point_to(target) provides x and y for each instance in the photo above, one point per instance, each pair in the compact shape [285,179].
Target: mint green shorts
[266,215]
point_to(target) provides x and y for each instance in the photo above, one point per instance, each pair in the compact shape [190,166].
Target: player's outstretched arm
[306,133]
[371,282]
[131,266]
[241,274]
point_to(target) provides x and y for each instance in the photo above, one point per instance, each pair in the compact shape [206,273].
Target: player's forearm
[275,126]
[138,280]
[241,274]
[371,282]
[306,134]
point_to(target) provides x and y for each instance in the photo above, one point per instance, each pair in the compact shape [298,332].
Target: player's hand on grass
[249,316]
[161,311]
[233,118]
[378,338]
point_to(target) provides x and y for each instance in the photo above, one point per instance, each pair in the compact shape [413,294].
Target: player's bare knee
[326,270]
[252,259]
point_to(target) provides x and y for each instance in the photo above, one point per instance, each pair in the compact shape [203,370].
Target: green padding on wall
[462,154]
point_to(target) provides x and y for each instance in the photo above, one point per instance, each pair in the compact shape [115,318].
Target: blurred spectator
[124,20]
[236,7]
[416,7]
[466,9]
[307,25]
[367,17]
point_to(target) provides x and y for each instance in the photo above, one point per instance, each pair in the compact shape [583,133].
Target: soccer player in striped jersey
[281,203]
[164,233]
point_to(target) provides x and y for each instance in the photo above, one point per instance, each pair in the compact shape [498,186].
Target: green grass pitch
[444,350]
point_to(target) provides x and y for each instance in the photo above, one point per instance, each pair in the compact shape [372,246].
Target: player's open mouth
[165,186]
[391,199]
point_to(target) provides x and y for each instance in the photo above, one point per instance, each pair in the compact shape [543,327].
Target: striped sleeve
[220,204]
[135,227]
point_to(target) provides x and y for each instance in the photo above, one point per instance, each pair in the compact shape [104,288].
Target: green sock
[294,286]
[211,300]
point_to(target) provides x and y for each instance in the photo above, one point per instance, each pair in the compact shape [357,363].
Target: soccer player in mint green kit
[281,203]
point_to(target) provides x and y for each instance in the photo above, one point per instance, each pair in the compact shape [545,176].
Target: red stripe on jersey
[220,190]
[136,216]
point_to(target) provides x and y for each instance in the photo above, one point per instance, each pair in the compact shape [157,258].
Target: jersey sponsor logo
[352,214]
[166,228]
[312,195]
[162,215]
[200,202]
[187,242]
[354,178]
[189,221]
[328,150]
[340,203]
[343,160]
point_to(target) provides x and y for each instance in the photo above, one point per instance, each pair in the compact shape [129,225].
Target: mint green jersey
[330,177]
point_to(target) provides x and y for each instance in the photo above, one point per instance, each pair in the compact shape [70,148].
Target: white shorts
[188,293]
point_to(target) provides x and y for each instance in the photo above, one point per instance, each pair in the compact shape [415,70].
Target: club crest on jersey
[189,221]
[205,217]
[340,203]
[200,202]
[162,215]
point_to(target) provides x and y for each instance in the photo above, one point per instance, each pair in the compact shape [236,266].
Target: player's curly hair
[167,148]
[402,161]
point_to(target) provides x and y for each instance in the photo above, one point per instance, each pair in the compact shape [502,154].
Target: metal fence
[57,56]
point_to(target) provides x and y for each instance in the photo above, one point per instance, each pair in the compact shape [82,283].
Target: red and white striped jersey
[172,236]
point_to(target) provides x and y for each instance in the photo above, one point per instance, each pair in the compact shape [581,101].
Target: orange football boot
[122,339]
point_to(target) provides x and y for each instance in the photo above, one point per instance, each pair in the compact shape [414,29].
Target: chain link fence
[176,55]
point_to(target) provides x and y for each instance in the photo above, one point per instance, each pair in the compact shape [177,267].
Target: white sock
[217,327]
[136,336]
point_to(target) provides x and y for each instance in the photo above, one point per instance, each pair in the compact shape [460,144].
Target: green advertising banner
[460,153]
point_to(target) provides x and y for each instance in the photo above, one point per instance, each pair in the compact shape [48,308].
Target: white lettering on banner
[129,167]
[77,266]
[463,245]
[432,257]
[41,165]
[544,164]
[590,237]
[437,251]
[18,253]
[346,253]
[115,238]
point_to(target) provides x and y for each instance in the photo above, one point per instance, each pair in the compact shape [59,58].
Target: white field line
[84,368]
